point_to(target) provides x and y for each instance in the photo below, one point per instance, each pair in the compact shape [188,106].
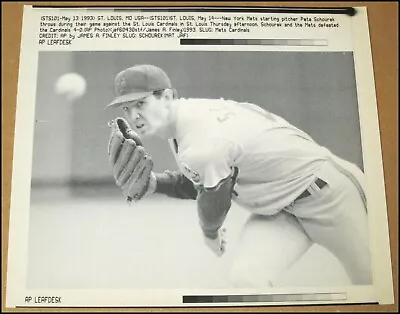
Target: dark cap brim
[127,98]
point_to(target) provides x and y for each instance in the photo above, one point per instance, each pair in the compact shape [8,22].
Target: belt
[319,182]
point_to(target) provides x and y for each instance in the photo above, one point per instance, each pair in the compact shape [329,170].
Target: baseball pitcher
[297,191]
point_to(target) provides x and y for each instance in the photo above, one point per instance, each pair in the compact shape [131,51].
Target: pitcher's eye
[125,108]
[139,104]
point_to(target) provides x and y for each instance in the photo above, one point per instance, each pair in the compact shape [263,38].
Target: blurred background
[82,233]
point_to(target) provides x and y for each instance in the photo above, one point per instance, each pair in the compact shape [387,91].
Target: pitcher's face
[147,116]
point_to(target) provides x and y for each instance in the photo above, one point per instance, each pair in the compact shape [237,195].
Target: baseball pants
[334,217]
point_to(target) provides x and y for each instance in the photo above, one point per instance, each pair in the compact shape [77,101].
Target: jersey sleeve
[175,184]
[209,163]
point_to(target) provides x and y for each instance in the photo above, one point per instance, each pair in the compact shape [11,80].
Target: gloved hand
[132,166]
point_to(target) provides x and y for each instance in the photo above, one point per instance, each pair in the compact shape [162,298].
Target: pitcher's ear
[168,94]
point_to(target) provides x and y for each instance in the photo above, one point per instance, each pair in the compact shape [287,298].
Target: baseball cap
[137,82]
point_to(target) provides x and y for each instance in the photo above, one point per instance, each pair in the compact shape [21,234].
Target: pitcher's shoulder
[195,111]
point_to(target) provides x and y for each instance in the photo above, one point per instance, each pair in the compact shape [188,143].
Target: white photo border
[381,292]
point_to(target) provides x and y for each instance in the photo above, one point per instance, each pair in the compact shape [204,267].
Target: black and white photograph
[221,171]
[197,170]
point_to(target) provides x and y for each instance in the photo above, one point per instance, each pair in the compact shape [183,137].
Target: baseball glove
[132,166]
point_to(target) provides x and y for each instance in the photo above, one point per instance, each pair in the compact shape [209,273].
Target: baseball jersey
[276,161]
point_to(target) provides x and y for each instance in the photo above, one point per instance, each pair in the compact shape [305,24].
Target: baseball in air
[71,85]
